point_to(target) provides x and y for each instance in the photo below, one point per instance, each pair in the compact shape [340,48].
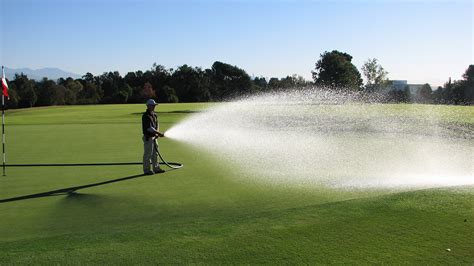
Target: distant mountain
[39,74]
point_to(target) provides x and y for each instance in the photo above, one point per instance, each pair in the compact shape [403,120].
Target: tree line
[184,84]
[334,70]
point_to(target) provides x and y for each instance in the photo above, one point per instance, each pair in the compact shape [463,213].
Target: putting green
[203,213]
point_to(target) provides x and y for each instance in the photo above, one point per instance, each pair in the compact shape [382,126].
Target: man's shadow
[70,191]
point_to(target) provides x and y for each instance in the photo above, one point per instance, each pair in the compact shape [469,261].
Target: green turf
[203,213]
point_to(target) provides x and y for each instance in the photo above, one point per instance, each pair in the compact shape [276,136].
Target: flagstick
[3,132]
[4,92]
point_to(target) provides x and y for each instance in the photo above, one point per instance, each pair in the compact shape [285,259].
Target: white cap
[151,102]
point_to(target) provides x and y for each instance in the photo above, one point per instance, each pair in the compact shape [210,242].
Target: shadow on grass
[82,197]
[86,164]
[70,191]
[70,164]
[173,112]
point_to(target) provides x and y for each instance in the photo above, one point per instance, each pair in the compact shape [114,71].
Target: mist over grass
[342,140]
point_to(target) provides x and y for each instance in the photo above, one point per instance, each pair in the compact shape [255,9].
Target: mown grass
[202,213]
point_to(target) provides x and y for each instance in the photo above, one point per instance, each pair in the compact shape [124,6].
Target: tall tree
[159,76]
[229,81]
[260,83]
[469,85]
[91,92]
[293,81]
[438,95]
[147,92]
[73,87]
[110,83]
[46,92]
[190,84]
[168,94]
[274,83]
[335,70]
[424,94]
[26,90]
[375,75]
[456,94]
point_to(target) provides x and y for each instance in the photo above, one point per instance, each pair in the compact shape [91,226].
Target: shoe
[149,173]
[158,170]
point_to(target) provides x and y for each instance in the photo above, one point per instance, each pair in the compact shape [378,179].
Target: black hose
[171,165]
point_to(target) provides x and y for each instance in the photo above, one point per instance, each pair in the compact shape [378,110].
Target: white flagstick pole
[3,132]
[3,125]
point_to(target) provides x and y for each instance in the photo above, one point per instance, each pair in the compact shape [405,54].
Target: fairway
[209,211]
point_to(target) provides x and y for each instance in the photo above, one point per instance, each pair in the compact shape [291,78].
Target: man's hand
[159,134]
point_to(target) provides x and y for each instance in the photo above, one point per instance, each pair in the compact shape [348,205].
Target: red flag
[4,84]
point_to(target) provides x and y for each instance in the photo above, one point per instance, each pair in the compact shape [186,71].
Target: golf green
[203,213]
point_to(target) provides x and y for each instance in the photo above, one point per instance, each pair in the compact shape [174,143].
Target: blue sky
[420,41]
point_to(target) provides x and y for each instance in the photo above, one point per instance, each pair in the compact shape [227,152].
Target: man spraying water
[151,131]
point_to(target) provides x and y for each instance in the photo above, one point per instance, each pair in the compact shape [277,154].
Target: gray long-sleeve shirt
[150,125]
